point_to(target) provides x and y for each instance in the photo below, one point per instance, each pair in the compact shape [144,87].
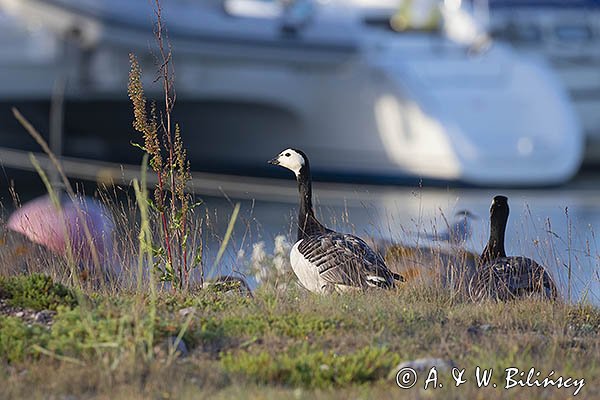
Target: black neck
[307,222]
[495,246]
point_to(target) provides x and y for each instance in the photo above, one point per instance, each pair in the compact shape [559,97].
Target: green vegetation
[291,344]
[119,341]
[310,367]
[17,339]
[36,291]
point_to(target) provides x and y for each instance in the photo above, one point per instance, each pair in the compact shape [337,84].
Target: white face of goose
[289,159]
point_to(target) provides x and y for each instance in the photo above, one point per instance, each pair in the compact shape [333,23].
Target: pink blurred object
[43,223]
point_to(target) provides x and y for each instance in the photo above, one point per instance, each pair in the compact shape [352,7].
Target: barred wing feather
[509,277]
[343,259]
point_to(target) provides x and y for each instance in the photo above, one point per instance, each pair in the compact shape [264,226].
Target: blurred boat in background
[338,79]
[567,34]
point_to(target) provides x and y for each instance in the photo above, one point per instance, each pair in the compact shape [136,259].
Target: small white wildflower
[258,262]
[282,245]
[259,254]
[281,255]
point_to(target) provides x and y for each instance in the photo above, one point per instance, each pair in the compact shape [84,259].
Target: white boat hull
[365,105]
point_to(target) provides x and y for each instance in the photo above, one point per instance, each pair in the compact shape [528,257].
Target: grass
[119,340]
[292,344]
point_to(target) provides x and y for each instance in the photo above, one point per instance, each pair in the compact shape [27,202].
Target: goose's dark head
[499,210]
[293,159]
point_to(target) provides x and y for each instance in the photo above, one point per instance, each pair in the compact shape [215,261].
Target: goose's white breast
[307,273]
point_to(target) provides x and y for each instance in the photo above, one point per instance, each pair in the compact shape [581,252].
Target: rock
[423,364]
[228,284]
[43,317]
[26,315]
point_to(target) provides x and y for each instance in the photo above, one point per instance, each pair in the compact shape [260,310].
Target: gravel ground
[44,317]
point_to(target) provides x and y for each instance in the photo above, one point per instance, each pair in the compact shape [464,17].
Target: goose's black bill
[274,161]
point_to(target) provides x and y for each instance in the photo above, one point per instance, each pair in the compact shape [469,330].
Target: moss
[79,333]
[36,291]
[17,338]
[311,367]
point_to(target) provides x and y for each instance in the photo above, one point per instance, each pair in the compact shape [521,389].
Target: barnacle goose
[504,278]
[326,261]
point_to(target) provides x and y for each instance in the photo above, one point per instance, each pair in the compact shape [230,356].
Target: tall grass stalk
[168,160]
[67,186]
[230,226]
[146,255]
[59,357]
[57,205]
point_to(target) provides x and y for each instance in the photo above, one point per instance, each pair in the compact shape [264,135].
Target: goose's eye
[287,154]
